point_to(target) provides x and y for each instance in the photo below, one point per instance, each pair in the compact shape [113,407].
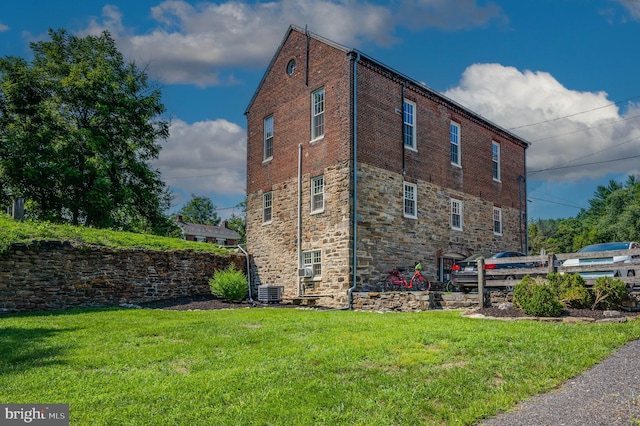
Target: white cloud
[633,6]
[566,127]
[195,44]
[206,157]
[3,27]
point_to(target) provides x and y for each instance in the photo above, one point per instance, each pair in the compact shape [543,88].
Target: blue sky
[563,74]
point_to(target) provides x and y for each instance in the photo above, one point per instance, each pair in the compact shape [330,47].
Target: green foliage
[199,210]
[30,230]
[251,366]
[229,283]
[239,223]
[78,127]
[570,289]
[536,298]
[608,293]
[614,215]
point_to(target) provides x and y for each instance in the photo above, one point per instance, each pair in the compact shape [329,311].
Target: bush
[570,289]
[229,283]
[536,298]
[608,293]
[522,291]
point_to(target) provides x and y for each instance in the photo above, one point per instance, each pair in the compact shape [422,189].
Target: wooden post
[17,210]
[552,263]
[480,263]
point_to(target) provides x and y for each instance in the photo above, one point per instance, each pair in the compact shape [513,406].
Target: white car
[606,260]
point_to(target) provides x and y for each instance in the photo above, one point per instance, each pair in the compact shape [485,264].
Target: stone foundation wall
[55,275]
[412,301]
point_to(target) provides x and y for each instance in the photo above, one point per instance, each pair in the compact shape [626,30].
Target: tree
[239,223]
[200,210]
[78,126]
[614,215]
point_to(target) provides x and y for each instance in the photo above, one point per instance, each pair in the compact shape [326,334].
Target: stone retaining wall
[54,275]
[412,301]
[408,301]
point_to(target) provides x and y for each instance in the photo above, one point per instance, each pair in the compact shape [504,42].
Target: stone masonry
[53,275]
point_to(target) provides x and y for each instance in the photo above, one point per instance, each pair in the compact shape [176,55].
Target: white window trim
[456,205]
[414,191]
[414,145]
[497,214]
[498,162]
[315,137]
[309,260]
[315,209]
[264,207]
[266,158]
[458,143]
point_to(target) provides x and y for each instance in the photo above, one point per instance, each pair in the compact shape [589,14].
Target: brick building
[435,182]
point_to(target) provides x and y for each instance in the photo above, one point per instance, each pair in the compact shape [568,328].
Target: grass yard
[273,366]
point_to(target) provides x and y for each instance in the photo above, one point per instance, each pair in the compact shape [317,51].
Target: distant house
[221,235]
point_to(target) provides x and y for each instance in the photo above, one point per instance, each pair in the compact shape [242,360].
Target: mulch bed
[204,303]
[513,312]
[210,302]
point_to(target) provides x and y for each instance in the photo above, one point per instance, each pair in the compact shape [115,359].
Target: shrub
[536,298]
[608,293]
[543,302]
[522,291]
[570,289]
[229,283]
[577,297]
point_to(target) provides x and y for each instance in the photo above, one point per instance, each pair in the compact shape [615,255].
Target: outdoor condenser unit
[270,293]
[305,273]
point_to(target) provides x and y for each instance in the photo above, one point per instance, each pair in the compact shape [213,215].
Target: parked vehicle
[606,260]
[464,273]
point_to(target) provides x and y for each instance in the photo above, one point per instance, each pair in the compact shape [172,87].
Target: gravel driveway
[607,394]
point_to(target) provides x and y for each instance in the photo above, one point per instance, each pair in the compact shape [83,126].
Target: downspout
[526,206]
[246,255]
[354,266]
[520,184]
[300,291]
[404,170]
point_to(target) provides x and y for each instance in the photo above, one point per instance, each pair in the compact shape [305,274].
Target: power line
[584,164]
[573,115]
[587,128]
[555,202]
[565,165]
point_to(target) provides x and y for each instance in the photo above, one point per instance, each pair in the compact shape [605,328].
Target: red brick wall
[288,99]
[380,141]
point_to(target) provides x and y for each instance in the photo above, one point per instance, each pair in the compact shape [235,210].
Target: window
[456,215]
[268,139]
[495,160]
[497,221]
[291,67]
[267,207]
[410,197]
[409,118]
[317,194]
[454,139]
[313,259]
[317,114]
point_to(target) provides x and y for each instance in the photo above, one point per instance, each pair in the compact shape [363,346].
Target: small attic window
[291,67]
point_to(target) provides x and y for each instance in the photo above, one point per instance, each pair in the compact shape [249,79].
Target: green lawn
[28,231]
[268,366]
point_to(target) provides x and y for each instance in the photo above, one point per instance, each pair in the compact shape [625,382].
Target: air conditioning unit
[270,293]
[305,273]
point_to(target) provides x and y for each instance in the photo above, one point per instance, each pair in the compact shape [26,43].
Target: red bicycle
[397,281]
